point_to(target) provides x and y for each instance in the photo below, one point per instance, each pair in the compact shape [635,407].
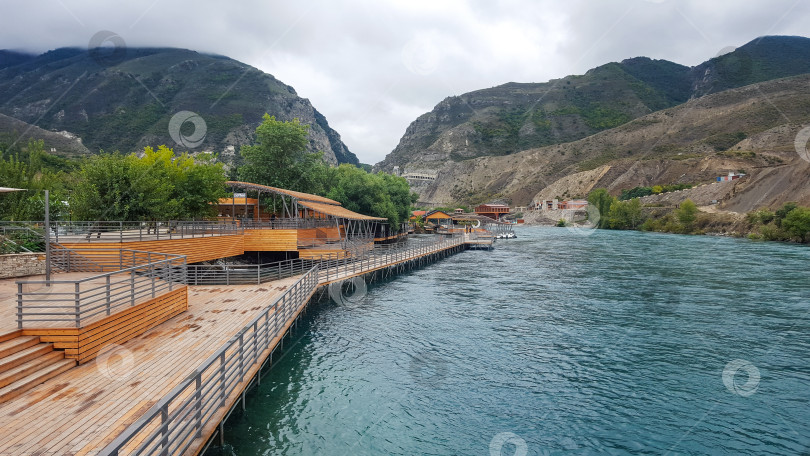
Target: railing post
[151,271]
[120,231]
[164,424]
[241,357]
[108,294]
[19,305]
[198,397]
[222,393]
[255,341]
[132,285]
[77,295]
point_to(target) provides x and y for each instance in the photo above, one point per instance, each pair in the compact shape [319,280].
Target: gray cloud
[372,67]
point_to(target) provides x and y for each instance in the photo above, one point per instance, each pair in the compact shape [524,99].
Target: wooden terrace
[119,355]
[121,388]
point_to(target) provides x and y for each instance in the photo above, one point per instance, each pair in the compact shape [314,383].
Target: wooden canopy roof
[337,211]
[301,196]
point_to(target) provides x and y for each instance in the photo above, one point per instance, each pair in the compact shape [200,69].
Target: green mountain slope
[513,117]
[128,105]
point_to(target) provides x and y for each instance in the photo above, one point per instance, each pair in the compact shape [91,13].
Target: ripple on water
[613,343]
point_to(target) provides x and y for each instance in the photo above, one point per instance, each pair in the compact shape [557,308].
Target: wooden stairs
[25,362]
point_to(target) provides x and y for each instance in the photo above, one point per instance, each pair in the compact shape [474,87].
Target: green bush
[797,223]
[771,232]
[687,214]
[782,212]
[762,216]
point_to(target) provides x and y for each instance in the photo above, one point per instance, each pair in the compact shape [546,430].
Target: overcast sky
[373,66]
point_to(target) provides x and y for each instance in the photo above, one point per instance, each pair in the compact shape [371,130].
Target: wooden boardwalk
[87,407]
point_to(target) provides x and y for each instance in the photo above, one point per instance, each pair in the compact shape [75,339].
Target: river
[558,342]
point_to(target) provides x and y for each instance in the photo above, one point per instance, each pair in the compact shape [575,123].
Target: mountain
[477,144]
[125,100]
[9,58]
[517,116]
[751,129]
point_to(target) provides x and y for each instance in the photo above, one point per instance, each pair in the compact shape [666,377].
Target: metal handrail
[334,269]
[287,223]
[243,274]
[120,231]
[76,301]
[177,419]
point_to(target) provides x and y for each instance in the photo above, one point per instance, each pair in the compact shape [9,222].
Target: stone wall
[21,265]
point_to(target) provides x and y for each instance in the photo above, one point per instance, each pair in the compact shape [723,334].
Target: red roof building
[493,211]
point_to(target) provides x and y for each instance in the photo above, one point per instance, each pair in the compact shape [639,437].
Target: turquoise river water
[556,342]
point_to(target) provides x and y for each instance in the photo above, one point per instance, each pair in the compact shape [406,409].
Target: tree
[380,195]
[157,186]
[687,214]
[28,168]
[625,214]
[602,201]
[279,157]
[782,212]
[797,223]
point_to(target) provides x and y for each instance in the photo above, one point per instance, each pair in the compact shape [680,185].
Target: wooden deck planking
[93,409]
[81,410]
[271,240]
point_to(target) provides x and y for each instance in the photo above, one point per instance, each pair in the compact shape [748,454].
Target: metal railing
[133,275]
[19,237]
[138,231]
[332,269]
[324,242]
[173,424]
[99,260]
[244,274]
[286,223]
[358,258]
